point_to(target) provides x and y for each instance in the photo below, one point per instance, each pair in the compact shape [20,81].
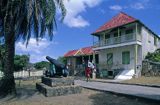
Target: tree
[2,52]
[155,56]
[41,65]
[20,62]
[62,59]
[18,19]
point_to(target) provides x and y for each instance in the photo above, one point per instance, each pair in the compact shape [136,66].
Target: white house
[122,44]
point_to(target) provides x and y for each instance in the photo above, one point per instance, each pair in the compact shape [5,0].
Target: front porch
[78,59]
[78,63]
[120,62]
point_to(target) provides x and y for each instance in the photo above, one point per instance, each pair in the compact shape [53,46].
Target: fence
[23,74]
[150,68]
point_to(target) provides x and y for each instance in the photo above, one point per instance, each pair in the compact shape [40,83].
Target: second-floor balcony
[118,40]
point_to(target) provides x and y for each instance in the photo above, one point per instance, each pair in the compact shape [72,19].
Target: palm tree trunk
[7,85]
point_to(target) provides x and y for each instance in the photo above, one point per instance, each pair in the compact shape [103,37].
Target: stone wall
[150,68]
[58,86]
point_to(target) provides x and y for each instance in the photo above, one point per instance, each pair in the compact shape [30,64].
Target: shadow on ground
[23,91]
[105,98]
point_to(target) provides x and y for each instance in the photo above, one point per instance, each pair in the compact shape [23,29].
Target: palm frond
[30,16]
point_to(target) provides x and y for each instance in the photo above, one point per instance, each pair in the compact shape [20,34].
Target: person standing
[88,73]
[88,70]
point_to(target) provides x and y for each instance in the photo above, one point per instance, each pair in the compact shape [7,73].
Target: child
[88,72]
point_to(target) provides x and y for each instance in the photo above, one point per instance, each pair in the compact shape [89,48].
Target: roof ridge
[119,19]
[84,50]
[127,15]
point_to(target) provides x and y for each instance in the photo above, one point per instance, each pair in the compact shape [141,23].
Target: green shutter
[126,57]
[110,58]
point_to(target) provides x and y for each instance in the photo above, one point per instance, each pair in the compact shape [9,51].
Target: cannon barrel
[55,62]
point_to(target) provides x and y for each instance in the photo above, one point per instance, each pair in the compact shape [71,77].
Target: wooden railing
[117,40]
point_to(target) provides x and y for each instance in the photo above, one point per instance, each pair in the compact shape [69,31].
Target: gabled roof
[79,52]
[87,50]
[70,53]
[118,20]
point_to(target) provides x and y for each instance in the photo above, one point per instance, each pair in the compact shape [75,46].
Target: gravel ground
[28,95]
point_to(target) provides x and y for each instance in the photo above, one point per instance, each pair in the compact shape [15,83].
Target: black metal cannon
[58,68]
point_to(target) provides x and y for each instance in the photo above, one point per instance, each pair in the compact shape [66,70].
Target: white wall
[147,46]
[26,74]
[147,42]
[117,56]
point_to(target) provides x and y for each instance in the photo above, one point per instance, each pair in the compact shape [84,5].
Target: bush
[41,65]
[155,56]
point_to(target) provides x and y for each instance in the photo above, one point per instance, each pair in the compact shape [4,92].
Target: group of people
[89,69]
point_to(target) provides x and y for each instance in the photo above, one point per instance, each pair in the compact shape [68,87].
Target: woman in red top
[88,73]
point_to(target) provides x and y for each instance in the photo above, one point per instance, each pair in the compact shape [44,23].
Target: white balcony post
[118,32]
[94,58]
[118,36]
[103,38]
[136,32]
[89,58]
[94,61]
[135,60]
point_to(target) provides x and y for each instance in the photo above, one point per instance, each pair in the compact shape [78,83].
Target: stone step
[54,82]
[58,90]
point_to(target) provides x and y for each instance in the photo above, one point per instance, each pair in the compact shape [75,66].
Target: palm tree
[18,20]
[2,52]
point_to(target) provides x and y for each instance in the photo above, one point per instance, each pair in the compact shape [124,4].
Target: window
[126,57]
[116,34]
[120,33]
[155,41]
[110,58]
[129,31]
[107,36]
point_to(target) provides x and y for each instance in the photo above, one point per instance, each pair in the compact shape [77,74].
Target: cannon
[56,68]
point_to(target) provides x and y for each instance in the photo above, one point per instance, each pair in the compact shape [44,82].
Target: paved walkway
[132,90]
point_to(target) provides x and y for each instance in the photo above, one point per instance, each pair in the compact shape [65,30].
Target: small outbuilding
[77,59]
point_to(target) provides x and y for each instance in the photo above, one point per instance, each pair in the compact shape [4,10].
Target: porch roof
[79,52]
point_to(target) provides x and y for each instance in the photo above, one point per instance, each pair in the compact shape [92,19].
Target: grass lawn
[28,95]
[144,80]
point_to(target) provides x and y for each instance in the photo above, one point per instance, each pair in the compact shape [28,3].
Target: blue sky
[83,18]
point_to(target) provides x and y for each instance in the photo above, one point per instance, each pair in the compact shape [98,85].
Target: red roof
[118,20]
[85,51]
[70,53]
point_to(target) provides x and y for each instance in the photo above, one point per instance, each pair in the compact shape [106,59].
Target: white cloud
[75,8]
[37,58]
[36,50]
[33,45]
[138,6]
[142,4]
[116,7]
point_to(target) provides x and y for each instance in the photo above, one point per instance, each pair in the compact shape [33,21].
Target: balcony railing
[116,40]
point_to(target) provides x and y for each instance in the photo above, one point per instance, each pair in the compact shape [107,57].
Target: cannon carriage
[56,68]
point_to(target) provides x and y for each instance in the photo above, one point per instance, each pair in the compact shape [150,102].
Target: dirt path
[28,95]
